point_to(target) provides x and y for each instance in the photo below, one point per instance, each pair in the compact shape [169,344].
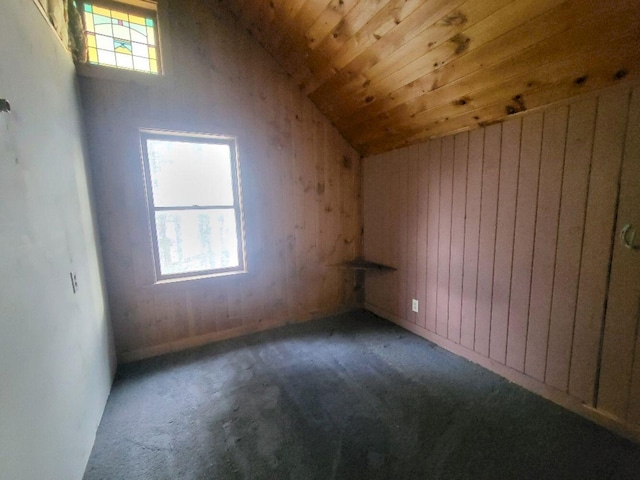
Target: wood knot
[369,99]
[462,101]
[580,80]
[462,43]
[620,74]
[456,18]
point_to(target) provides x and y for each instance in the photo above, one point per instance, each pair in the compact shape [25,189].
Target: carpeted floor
[349,397]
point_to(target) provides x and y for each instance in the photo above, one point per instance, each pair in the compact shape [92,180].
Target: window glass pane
[196,240]
[187,174]
[120,32]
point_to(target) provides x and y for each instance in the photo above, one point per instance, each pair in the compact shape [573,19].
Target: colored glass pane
[122,47]
[101,20]
[89,23]
[151,36]
[136,19]
[120,39]
[93,55]
[120,15]
[102,11]
[136,36]
[120,31]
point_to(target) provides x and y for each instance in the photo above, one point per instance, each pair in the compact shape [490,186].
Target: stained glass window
[121,38]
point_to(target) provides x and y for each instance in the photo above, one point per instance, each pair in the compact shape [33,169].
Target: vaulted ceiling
[389,73]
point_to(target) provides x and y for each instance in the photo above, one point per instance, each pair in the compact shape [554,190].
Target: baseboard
[559,397]
[199,340]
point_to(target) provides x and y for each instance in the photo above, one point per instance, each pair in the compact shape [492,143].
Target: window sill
[121,75]
[195,281]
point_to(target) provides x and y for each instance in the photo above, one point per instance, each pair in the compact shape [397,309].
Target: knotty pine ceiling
[390,73]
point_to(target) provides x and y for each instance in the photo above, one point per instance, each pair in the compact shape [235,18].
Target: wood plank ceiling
[390,73]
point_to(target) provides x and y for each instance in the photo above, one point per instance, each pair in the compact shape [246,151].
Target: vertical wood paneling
[538,198]
[626,267]
[432,232]
[633,413]
[412,229]
[596,254]
[383,206]
[623,306]
[569,249]
[523,240]
[471,236]
[488,215]
[444,238]
[399,191]
[423,222]
[544,253]
[300,184]
[461,154]
[508,190]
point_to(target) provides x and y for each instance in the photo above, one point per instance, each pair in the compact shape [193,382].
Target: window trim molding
[144,134]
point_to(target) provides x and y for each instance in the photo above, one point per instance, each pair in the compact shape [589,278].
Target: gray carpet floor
[347,397]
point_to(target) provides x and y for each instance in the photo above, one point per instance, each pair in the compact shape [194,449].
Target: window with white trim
[194,202]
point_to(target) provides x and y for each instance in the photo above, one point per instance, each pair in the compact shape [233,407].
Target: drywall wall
[56,360]
[300,185]
[504,235]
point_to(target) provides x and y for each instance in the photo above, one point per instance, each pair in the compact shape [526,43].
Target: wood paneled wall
[505,234]
[301,188]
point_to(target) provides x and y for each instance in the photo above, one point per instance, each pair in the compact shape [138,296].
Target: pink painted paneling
[381,222]
[596,254]
[461,154]
[432,232]
[523,240]
[423,218]
[623,306]
[514,225]
[488,216]
[569,250]
[554,136]
[444,239]
[507,194]
[411,196]
[626,266]
[471,236]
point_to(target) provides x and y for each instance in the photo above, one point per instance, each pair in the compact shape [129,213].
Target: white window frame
[231,141]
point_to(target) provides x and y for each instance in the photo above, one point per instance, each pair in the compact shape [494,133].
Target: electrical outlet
[74,282]
[414,305]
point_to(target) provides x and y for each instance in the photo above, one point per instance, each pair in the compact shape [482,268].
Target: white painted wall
[56,354]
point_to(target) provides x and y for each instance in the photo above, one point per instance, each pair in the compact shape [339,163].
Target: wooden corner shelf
[361,264]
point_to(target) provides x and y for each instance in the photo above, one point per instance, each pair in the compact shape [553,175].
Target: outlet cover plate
[414,305]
